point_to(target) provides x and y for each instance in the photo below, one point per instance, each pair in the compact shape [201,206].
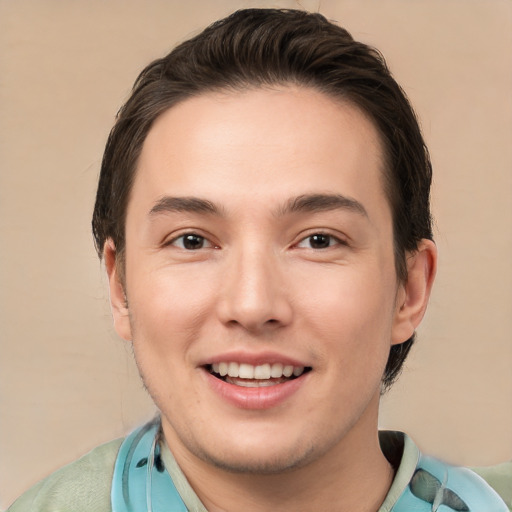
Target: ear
[118,301]
[413,295]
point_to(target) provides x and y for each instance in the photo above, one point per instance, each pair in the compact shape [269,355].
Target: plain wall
[67,383]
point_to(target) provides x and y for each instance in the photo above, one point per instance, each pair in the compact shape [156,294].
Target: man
[263,214]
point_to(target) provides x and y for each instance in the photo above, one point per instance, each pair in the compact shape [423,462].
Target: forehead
[266,143]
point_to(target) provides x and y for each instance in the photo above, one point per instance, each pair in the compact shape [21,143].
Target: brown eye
[190,242]
[318,241]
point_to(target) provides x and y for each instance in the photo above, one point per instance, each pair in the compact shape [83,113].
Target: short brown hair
[264,47]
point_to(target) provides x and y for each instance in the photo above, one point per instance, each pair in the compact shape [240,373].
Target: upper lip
[255,359]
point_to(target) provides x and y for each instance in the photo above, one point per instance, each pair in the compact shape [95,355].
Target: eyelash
[184,236]
[331,240]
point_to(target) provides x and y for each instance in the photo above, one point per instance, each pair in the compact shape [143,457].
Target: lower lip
[264,397]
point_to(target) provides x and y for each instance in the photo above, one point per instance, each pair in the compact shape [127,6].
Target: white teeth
[233,369]
[261,372]
[254,383]
[223,369]
[276,371]
[297,371]
[246,371]
[288,371]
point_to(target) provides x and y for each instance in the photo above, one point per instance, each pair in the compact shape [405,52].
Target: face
[261,291]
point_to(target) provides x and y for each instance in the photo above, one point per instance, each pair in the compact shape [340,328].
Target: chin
[257,463]
[258,451]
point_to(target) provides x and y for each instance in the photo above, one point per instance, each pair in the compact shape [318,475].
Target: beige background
[67,383]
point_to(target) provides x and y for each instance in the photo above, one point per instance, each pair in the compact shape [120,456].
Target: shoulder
[82,485]
[426,483]
[437,483]
[499,477]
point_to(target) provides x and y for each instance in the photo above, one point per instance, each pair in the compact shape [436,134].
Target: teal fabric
[140,481]
[85,485]
[438,486]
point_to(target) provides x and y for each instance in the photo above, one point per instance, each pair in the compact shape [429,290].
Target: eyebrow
[301,204]
[321,202]
[168,204]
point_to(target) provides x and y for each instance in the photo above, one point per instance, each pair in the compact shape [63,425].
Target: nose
[254,294]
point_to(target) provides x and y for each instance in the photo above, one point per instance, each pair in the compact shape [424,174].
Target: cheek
[352,313]
[167,312]
[166,320]
[178,293]
[357,299]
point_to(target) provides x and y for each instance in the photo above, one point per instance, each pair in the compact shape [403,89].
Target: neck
[353,476]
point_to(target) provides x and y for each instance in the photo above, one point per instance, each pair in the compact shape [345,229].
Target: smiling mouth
[247,375]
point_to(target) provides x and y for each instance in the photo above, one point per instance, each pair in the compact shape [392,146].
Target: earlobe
[413,295]
[118,302]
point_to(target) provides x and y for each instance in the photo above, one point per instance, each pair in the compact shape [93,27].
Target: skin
[256,284]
